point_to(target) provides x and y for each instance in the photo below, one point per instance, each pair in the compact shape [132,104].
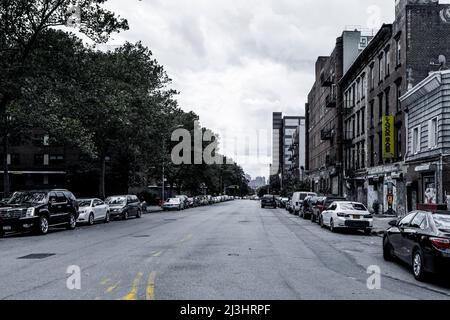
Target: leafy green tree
[22,23]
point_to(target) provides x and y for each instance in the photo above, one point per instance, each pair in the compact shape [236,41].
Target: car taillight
[440,243]
[342,214]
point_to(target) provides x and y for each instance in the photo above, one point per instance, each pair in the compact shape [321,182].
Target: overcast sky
[237,61]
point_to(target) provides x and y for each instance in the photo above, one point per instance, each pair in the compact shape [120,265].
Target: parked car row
[421,239]
[184,202]
[39,210]
[331,211]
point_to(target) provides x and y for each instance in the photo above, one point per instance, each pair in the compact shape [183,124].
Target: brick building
[324,110]
[398,58]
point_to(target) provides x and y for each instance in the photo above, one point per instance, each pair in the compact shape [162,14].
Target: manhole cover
[37,256]
[233,255]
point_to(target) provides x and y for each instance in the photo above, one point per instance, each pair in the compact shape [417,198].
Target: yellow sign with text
[388,137]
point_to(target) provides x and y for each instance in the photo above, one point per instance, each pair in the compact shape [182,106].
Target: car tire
[91,219]
[42,226]
[107,218]
[321,222]
[139,214]
[2,234]
[387,250]
[72,223]
[332,227]
[367,232]
[417,266]
[125,215]
[313,218]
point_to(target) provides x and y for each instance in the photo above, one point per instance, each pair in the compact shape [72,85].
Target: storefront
[386,189]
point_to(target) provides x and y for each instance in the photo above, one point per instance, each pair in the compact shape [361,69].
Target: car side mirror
[393,223]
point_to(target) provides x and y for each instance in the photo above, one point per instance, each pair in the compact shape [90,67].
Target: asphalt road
[230,251]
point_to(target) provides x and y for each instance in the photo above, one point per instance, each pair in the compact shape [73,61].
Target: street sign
[388,137]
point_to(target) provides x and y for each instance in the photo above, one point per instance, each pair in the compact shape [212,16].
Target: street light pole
[163,174]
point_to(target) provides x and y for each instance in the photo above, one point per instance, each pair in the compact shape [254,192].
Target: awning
[35,172]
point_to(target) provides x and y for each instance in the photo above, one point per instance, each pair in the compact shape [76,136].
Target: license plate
[356,217]
[7,228]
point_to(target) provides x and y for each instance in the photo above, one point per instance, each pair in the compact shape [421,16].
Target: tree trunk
[102,190]
[5,145]
[6,182]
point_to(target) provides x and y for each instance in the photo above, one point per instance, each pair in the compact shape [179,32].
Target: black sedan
[422,240]
[268,201]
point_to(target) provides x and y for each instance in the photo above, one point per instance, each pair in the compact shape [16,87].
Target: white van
[297,200]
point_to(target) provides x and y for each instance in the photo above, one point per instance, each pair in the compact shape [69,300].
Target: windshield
[176,200]
[28,197]
[269,197]
[116,201]
[84,203]
[353,206]
[442,221]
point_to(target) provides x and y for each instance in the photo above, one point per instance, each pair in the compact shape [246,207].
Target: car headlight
[30,212]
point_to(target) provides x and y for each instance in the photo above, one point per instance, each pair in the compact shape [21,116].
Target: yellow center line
[135,287]
[112,288]
[151,286]
[188,237]
[158,254]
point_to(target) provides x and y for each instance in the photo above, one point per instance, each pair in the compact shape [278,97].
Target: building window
[372,114]
[388,62]
[398,54]
[353,95]
[380,148]
[399,142]
[56,159]
[363,154]
[358,90]
[353,127]
[372,151]
[363,120]
[381,68]
[363,86]
[380,108]
[433,133]
[372,77]
[387,102]
[398,95]
[358,128]
[416,140]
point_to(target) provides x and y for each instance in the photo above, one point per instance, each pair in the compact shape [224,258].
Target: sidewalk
[380,224]
[153,209]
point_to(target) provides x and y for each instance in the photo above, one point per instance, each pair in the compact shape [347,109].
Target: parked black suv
[38,210]
[268,201]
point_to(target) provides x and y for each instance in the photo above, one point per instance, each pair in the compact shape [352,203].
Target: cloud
[236,62]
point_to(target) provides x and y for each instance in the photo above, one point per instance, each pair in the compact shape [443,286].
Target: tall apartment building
[290,126]
[398,58]
[284,129]
[277,143]
[324,134]
[298,152]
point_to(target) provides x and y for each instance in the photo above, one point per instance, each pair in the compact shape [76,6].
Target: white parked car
[173,204]
[347,215]
[92,210]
